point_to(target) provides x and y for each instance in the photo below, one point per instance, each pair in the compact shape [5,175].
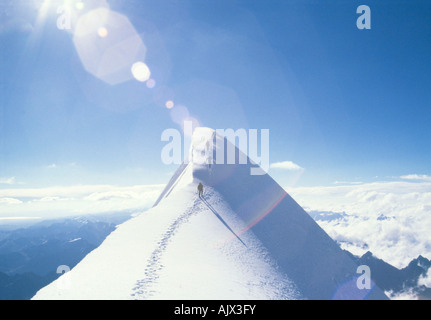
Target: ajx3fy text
[223,310]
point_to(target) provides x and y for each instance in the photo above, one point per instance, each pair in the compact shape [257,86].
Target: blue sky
[342,103]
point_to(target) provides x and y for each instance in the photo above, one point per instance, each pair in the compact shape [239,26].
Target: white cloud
[425,281]
[19,218]
[391,219]
[419,177]
[403,295]
[286,165]
[61,166]
[9,181]
[75,200]
[49,199]
[347,182]
[9,201]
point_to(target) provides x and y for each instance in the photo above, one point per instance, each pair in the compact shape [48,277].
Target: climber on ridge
[200,189]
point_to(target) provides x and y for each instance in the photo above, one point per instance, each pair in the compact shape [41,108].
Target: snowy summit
[244,238]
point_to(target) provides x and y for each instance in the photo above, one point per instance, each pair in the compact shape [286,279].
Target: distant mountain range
[29,257]
[397,281]
[390,279]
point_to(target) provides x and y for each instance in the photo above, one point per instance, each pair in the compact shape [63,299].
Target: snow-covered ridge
[245,239]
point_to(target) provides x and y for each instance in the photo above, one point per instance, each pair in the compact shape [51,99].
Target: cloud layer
[75,200]
[391,219]
[420,177]
[426,280]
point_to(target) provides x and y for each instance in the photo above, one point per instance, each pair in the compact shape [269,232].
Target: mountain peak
[245,238]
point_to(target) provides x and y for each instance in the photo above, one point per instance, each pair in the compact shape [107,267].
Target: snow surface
[245,239]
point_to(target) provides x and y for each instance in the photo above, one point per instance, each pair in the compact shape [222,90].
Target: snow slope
[246,239]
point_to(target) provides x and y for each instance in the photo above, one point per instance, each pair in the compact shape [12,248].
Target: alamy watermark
[63,282]
[364,280]
[364,20]
[64,20]
[209,150]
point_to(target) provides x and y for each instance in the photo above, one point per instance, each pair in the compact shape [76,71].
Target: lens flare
[140,71]
[151,83]
[108,45]
[169,104]
[102,32]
